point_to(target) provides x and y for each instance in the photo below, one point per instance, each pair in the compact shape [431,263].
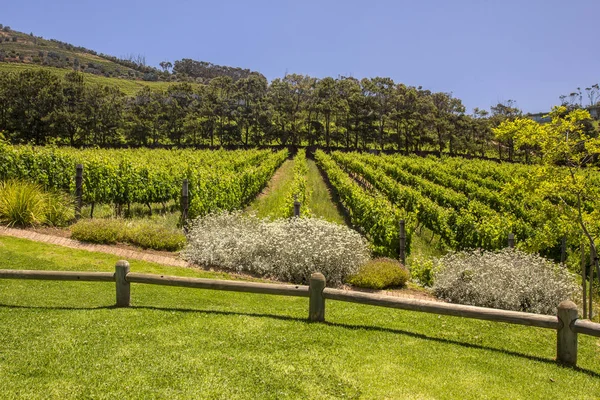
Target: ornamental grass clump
[507,279]
[26,204]
[285,249]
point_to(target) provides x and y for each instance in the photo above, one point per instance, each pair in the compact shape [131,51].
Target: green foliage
[298,189]
[235,107]
[380,273]
[60,209]
[372,213]
[476,203]
[217,179]
[22,204]
[27,204]
[566,182]
[422,271]
[145,234]
[101,231]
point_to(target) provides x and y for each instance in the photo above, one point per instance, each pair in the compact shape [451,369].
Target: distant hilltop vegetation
[23,48]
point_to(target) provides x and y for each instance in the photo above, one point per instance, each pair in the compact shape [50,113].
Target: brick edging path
[75,244]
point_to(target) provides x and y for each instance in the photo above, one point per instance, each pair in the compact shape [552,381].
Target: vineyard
[464,203]
[218,180]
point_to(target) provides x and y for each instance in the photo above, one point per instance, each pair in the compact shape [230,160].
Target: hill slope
[28,49]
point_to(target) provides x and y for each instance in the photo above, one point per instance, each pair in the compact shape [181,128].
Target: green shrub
[154,236]
[380,273]
[102,231]
[22,203]
[145,234]
[421,271]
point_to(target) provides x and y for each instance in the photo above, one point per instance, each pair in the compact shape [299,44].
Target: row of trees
[40,107]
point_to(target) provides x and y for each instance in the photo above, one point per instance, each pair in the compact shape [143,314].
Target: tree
[592,93]
[145,117]
[566,179]
[67,118]
[249,96]
[33,96]
[502,112]
[166,65]
[381,91]
[328,103]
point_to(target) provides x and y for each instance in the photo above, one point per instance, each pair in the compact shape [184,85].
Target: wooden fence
[566,322]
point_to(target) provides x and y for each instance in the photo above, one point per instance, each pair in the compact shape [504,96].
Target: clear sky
[482,51]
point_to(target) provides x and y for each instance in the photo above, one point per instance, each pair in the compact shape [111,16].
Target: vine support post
[402,242]
[511,240]
[78,190]
[591,279]
[184,201]
[566,338]
[296,207]
[316,305]
[583,280]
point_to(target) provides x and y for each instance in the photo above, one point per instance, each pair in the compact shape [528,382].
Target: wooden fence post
[296,207]
[185,202]
[316,307]
[511,240]
[78,190]
[123,287]
[402,238]
[566,338]
[583,280]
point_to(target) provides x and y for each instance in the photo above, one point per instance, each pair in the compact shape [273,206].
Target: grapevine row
[373,214]
[217,179]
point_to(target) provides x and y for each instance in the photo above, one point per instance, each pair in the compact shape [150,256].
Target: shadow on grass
[416,335]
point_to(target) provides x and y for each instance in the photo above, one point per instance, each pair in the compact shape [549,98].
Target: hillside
[128,86]
[18,48]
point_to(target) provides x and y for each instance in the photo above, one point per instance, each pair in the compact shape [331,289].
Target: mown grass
[320,200]
[270,203]
[423,246]
[65,340]
[129,87]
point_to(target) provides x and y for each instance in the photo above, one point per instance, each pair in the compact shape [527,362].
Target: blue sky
[482,51]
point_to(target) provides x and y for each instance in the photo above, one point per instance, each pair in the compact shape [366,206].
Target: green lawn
[269,203]
[64,340]
[321,203]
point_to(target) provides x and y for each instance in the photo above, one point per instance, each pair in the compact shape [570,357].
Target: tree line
[39,107]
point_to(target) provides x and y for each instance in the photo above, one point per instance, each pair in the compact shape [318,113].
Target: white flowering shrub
[285,249]
[507,279]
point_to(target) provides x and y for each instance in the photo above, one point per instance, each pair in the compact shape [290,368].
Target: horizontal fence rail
[215,284]
[586,327]
[435,307]
[58,275]
[566,323]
